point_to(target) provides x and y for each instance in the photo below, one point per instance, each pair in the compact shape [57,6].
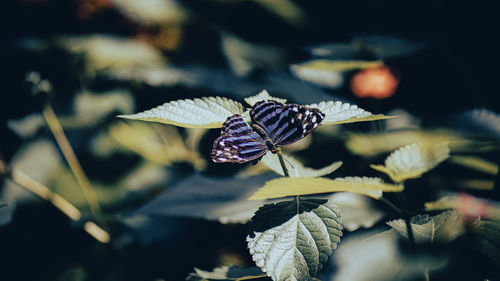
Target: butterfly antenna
[289,163]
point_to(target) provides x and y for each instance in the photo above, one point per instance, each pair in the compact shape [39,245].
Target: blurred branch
[55,199]
[70,156]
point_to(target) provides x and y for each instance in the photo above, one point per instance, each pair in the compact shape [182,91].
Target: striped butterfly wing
[285,124]
[238,142]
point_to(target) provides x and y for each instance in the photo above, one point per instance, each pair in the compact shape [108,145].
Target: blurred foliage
[170,211]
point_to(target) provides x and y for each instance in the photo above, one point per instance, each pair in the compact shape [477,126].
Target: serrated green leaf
[337,112]
[444,227]
[292,240]
[413,160]
[295,168]
[263,95]
[282,187]
[205,112]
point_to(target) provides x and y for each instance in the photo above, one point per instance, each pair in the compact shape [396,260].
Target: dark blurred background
[443,54]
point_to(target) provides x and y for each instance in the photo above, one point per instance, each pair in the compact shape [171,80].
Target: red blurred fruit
[379,83]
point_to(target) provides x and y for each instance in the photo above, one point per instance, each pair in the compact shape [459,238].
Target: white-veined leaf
[413,160]
[205,112]
[263,95]
[337,112]
[292,240]
[295,168]
[282,187]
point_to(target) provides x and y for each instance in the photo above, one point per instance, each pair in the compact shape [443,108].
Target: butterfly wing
[238,142]
[285,124]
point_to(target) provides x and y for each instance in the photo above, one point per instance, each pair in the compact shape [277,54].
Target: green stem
[282,162]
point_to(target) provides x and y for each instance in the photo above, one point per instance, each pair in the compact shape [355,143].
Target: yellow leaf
[263,95]
[161,144]
[283,187]
[475,163]
[413,160]
[340,65]
[467,205]
[363,119]
[375,143]
[205,112]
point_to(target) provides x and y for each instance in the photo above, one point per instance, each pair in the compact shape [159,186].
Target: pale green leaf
[292,240]
[104,52]
[206,112]
[357,210]
[158,144]
[378,256]
[263,95]
[444,227]
[151,12]
[226,273]
[285,9]
[295,168]
[282,187]
[413,160]
[337,112]
[321,77]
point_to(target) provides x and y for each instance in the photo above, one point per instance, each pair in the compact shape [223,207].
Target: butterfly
[273,125]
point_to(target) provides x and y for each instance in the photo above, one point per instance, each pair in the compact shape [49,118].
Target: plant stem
[390,204]
[285,172]
[407,216]
[282,162]
[55,199]
[70,156]
[409,230]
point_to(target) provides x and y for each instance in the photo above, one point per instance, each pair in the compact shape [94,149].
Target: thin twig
[55,199]
[390,204]
[282,162]
[70,156]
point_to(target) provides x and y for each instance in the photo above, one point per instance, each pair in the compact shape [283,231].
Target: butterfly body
[273,125]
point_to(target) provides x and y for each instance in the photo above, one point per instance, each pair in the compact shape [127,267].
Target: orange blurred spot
[379,83]
[472,207]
